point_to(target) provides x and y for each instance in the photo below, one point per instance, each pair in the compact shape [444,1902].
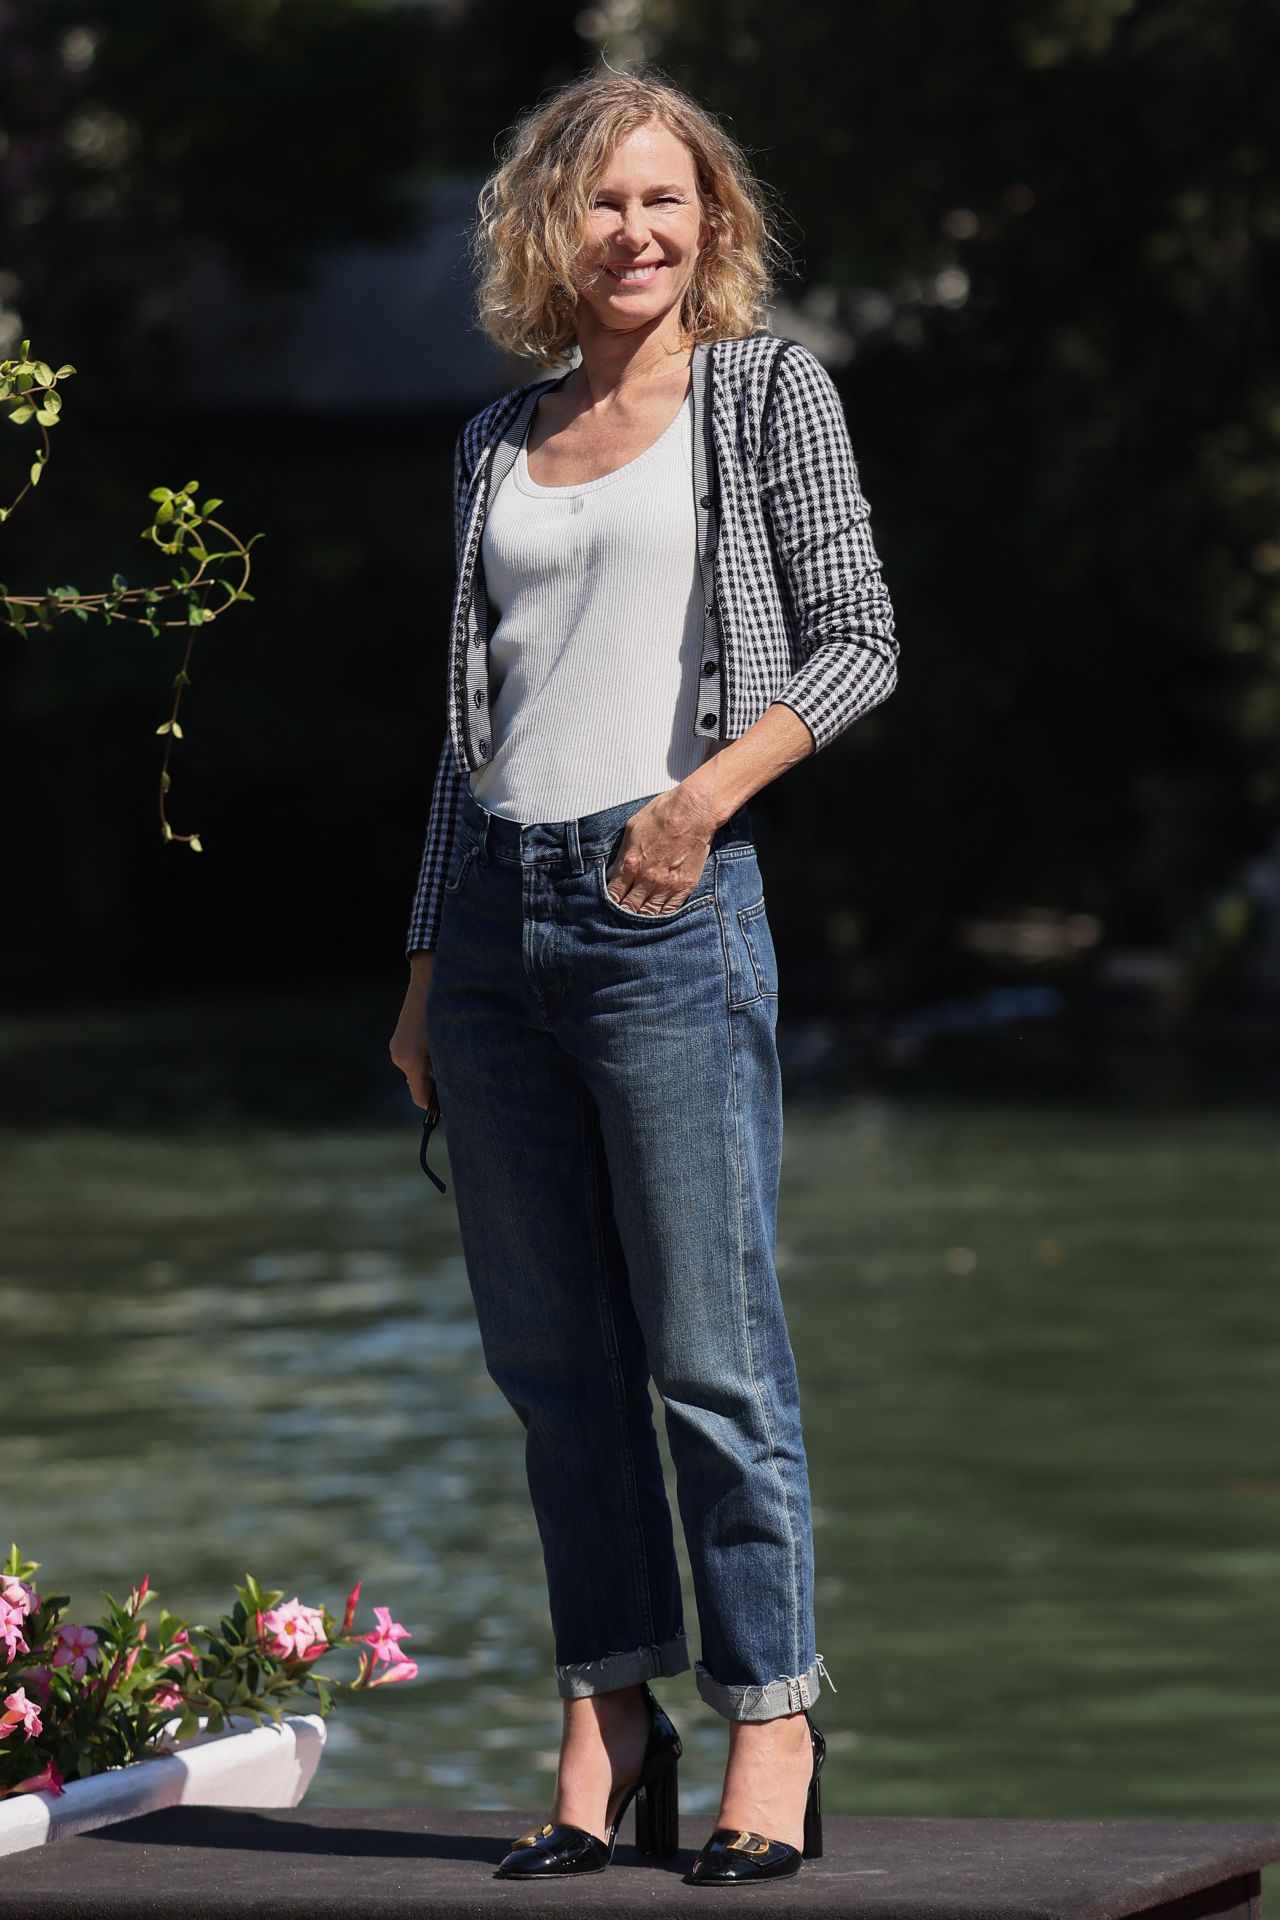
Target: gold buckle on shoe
[533,1836]
[743,1844]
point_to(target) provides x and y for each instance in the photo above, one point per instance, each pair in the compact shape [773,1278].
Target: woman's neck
[618,363]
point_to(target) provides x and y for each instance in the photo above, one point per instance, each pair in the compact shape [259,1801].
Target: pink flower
[385,1634]
[37,1678]
[11,1618]
[19,1711]
[294,1628]
[167,1696]
[76,1648]
[180,1649]
[402,1670]
[18,1593]
[50,1780]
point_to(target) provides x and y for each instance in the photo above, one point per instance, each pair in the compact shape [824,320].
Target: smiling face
[644,232]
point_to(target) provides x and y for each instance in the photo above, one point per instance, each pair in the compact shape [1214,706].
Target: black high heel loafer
[559,1848]
[731,1854]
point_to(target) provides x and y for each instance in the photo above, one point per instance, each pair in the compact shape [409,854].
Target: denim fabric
[611,1096]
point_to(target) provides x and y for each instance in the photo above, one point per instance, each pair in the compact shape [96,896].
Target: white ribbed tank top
[594,657]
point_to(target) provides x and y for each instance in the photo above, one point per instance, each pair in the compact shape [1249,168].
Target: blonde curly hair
[532,214]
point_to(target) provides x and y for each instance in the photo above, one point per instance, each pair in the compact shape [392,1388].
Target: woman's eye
[610,206]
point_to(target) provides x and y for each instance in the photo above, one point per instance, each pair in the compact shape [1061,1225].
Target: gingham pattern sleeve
[820,526]
[446,794]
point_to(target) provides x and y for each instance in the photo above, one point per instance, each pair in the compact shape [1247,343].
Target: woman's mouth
[629,274]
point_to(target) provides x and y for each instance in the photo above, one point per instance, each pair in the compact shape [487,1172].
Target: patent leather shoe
[735,1854]
[560,1848]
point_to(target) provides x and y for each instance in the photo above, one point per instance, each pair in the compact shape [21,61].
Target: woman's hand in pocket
[663,850]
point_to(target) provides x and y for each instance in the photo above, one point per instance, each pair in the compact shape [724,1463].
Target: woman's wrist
[728,778]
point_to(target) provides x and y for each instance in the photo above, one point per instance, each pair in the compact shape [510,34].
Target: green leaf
[209,506]
[43,371]
[63,371]
[160,493]
[119,582]
[20,414]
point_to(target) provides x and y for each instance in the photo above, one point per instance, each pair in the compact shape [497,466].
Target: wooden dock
[309,1862]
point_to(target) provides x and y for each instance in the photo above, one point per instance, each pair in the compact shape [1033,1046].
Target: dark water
[1040,1353]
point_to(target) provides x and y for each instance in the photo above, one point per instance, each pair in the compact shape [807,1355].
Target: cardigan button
[705,500]
[710,612]
[709,666]
[708,719]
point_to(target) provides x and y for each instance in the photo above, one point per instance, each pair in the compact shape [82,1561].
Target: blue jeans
[612,1100]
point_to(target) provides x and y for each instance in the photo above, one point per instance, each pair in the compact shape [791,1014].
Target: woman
[667,594]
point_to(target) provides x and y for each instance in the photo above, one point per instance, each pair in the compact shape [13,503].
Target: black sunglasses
[430,1120]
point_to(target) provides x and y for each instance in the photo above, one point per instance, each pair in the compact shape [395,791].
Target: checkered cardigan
[795,606]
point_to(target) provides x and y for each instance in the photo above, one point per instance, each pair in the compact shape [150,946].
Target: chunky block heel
[658,1814]
[812,1848]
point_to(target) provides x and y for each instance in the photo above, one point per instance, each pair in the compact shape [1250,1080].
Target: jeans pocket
[461,855]
[758,937]
[704,892]
[753,964]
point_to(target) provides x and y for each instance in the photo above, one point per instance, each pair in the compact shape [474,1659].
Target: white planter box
[245,1765]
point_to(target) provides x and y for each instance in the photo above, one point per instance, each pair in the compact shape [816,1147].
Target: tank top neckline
[527,484]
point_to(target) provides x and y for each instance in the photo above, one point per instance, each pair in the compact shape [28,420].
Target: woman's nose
[635,228]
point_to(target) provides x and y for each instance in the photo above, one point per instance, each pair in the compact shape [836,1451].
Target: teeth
[634,273]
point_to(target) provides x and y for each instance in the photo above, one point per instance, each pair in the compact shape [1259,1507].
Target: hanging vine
[29,389]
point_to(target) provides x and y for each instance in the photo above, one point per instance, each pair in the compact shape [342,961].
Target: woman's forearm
[727,779]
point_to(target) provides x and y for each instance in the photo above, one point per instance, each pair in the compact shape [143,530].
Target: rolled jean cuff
[586,1677]
[768,1702]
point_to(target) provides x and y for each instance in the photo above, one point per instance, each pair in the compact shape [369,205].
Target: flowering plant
[75,1700]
